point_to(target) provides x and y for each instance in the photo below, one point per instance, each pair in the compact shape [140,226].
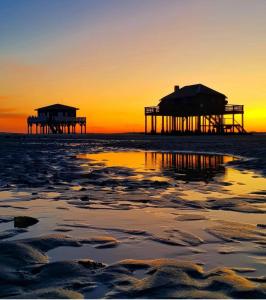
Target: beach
[132,216]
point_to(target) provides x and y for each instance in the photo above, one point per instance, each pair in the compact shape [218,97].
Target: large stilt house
[194,109]
[56,118]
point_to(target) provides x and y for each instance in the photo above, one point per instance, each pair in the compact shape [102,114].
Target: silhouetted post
[222,123]
[242,120]
[198,124]
[233,122]
[173,122]
[145,124]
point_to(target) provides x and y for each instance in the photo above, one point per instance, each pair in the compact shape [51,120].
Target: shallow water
[141,205]
[202,173]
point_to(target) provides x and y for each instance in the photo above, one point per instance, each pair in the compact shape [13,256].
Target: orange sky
[112,58]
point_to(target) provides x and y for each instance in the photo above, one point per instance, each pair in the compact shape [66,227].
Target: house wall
[196,105]
[57,113]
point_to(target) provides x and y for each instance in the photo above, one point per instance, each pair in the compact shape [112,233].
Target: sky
[111,58]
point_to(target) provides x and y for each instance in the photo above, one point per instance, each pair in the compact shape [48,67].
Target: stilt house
[195,109]
[56,118]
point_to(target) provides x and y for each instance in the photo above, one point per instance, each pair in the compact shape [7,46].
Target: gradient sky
[111,58]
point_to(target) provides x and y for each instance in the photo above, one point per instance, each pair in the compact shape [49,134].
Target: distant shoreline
[113,133]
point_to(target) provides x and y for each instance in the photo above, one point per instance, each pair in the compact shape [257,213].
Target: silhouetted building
[195,109]
[56,118]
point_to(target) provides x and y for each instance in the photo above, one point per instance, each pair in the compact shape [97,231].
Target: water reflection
[179,166]
[191,168]
[187,166]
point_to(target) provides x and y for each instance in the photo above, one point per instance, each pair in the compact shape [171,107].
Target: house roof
[57,107]
[191,91]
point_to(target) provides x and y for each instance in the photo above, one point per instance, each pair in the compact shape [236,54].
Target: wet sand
[129,216]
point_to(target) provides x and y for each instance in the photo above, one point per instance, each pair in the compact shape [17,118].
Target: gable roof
[191,91]
[56,107]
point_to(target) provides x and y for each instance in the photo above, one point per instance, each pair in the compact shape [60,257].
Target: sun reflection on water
[199,175]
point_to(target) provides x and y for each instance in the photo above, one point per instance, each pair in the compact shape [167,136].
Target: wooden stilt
[145,124]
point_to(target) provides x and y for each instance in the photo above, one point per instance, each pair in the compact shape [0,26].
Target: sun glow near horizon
[112,58]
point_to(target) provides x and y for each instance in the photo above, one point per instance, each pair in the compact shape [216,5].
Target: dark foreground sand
[114,229]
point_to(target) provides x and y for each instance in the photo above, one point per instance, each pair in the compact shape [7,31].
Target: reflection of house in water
[56,118]
[187,166]
[195,109]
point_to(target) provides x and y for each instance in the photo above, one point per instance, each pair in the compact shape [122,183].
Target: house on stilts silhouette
[56,118]
[194,109]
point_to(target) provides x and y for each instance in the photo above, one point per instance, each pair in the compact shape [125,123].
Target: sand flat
[122,213]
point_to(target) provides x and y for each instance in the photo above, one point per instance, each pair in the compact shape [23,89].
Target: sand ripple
[27,273]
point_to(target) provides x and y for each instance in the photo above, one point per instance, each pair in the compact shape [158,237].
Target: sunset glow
[112,58]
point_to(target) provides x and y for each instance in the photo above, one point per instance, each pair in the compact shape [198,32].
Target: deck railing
[233,108]
[229,108]
[42,120]
[152,110]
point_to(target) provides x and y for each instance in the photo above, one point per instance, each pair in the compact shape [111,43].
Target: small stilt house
[195,109]
[56,118]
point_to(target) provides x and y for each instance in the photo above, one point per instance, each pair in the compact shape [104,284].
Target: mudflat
[132,216]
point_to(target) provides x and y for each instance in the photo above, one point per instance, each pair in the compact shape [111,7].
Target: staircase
[215,122]
[223,127]
[240,128]
[55,129]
